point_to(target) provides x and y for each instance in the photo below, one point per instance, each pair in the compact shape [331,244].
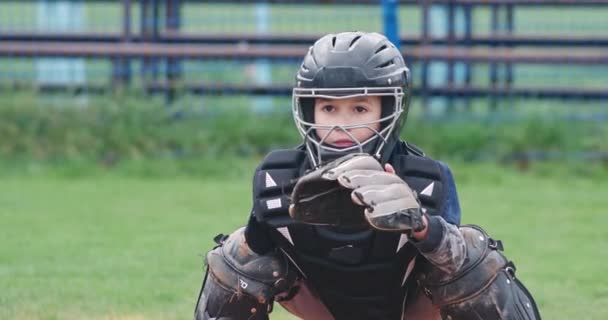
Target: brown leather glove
[355,190]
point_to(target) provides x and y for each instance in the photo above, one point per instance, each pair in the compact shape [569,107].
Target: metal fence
[458,49]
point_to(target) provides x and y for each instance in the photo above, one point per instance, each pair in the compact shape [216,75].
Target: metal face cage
[317,146]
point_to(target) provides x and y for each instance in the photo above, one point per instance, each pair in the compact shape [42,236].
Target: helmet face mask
[351,65]
[318,149]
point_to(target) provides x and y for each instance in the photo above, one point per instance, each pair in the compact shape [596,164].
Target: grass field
[82,243]
[114,247]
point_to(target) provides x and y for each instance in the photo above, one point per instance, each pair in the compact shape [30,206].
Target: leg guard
[485,287]
[239,284]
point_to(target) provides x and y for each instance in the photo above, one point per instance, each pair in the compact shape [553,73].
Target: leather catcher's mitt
[354,190]
[318,197]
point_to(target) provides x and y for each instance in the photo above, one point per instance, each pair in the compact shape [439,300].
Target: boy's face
[347,112]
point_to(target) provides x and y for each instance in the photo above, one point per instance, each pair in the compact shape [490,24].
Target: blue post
[391,21]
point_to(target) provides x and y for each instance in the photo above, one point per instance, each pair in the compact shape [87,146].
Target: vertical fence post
[459,16]
[263,70]
[493,65]
[391,22]
[468,33]
[149,33]
[451,42]
[510,29]
[154,35]
[438,69]
[121,66]
[424,64]
[173,66]
[144,22]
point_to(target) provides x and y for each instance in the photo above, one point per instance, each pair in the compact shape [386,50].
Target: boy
[357,224]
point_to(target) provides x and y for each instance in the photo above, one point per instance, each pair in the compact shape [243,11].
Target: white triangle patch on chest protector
[428,191]
[285,232]
[402,241]
[270,181]
[273,203]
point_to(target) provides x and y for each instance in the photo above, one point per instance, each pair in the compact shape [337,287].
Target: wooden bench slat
[194,51]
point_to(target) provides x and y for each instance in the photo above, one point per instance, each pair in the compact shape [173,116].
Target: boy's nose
[343,130]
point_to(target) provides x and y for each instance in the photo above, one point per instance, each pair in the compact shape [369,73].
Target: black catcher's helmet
[345,65]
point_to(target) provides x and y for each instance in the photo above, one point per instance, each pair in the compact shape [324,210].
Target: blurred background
[129,132]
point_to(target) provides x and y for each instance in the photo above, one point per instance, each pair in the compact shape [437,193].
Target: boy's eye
[328,108]
[360,109]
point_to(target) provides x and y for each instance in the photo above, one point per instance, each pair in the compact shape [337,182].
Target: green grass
[112,247]
[116,128]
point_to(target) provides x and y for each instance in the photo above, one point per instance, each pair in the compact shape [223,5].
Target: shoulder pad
[413,149]
[283,159]
[273,182]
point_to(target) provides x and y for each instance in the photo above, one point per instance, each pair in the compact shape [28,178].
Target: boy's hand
[390,204]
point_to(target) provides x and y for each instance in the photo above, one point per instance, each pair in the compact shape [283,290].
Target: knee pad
[485,287]
[240,284]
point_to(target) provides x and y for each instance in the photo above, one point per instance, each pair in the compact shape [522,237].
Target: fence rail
[564,93]
[288,52]
[306,39]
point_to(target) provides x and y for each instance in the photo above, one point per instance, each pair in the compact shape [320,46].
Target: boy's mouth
[343,143]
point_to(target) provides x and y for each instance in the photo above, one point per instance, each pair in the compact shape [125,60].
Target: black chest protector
[357,273]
